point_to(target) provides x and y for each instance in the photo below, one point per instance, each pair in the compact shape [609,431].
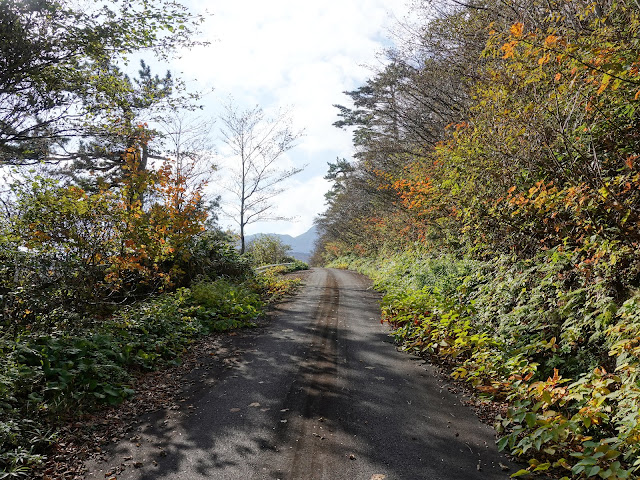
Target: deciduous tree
[268,250]
[59,75]
[256,144]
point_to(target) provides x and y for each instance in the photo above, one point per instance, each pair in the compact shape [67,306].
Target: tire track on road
[313,393]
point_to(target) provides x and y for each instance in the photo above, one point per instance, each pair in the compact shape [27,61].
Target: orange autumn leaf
[605,83]
[629,162]
[508,49]
[516,29]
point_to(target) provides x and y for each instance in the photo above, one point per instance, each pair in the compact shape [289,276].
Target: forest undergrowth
[564,356]
[53,373]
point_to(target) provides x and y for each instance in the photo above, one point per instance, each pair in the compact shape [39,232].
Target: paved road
[321,393]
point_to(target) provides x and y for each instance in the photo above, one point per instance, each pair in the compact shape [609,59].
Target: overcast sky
[297,54]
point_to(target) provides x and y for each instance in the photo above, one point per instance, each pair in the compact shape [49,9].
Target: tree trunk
[242,246]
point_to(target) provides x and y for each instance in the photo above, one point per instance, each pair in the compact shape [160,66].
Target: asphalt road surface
[321,393]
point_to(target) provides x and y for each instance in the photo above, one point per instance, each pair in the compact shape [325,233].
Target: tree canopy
[494,195]
[61,78]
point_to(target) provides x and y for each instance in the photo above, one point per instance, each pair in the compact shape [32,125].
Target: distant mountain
[301,246]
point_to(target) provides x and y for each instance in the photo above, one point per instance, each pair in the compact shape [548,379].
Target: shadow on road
[320,393]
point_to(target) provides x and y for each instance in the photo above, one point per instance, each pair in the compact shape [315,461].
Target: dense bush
[45,375]
[267,250]
[211,255]
[559,348]
[295,265]
[67,251]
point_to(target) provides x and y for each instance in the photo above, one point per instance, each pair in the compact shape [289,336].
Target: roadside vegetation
[494,199]
[270,255]
[267,249]
[64,360]
[111,260]
[61,358]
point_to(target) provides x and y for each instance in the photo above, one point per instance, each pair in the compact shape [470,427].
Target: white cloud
[292,53]
[302,201]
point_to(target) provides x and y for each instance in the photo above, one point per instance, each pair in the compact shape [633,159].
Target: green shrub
[267,250]
[44,376]
[296,266]
[212,255]
[556,345]
[223,305]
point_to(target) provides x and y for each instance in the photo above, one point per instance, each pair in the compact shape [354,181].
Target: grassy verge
[45,379]
[561,350]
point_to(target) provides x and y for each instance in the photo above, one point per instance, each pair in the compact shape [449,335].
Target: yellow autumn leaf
[605,83]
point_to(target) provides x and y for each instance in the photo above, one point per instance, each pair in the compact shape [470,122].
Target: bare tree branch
[257,144]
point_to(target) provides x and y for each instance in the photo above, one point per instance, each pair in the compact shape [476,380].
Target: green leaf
[110,391]
[502,443]
[531,418]
[593,471]
[542,467]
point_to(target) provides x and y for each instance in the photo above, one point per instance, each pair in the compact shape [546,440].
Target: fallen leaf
[254,404]
[378,476]
[503,467]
